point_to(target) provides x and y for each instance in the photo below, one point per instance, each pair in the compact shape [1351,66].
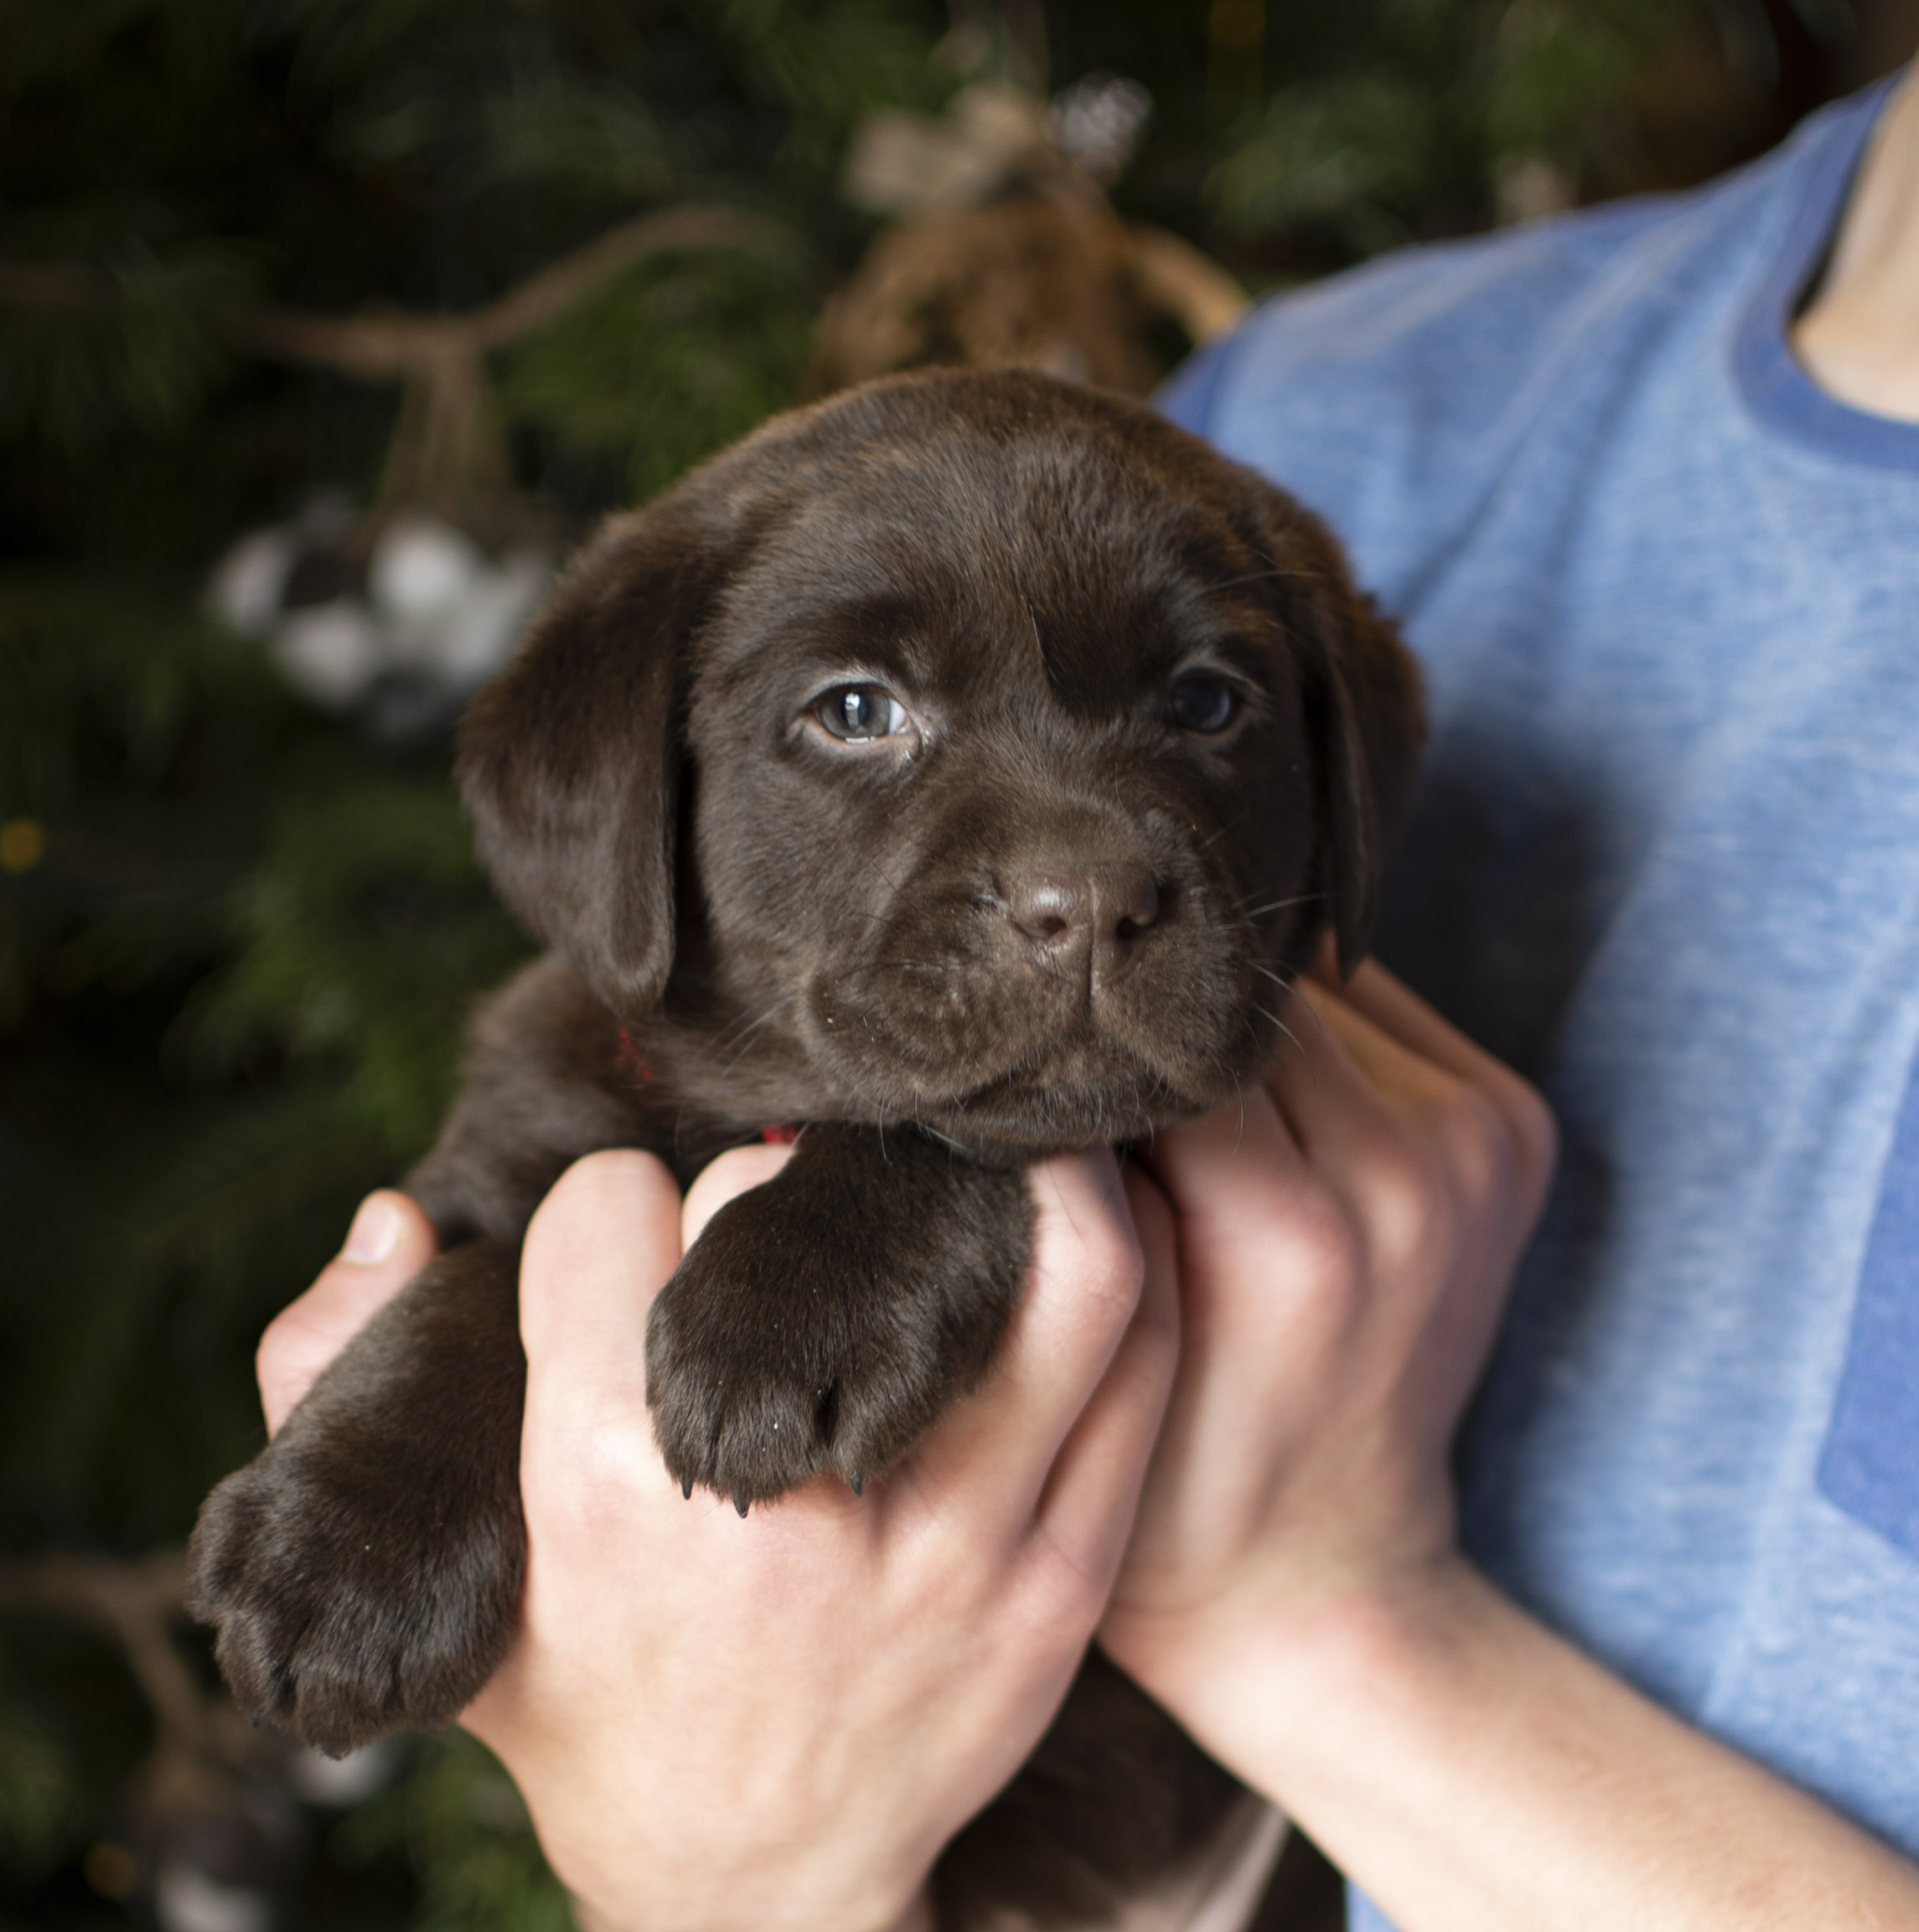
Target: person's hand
[779,1722]
[1294,1593]
[1346,1240]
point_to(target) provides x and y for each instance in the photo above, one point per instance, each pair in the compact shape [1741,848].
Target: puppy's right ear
[569,762]
[1365,708]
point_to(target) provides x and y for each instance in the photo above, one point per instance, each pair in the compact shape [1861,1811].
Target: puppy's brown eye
[1203,704]
[856,714]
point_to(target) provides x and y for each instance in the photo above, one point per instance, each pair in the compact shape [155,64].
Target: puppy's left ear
[569,762]
[1365,704]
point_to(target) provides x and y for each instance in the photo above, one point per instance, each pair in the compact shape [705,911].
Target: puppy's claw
[742,1505]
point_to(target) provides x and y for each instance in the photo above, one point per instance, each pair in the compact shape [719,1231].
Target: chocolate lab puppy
[958,768]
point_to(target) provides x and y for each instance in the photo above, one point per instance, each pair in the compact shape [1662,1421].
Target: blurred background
[325,327]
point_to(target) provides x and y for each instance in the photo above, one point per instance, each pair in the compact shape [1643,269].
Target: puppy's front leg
[364,1571]
[823,1319]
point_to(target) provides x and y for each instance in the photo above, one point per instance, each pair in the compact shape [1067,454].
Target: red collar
[638,1068]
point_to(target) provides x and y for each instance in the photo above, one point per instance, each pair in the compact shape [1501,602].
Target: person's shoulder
[1420,309]
[1387,396]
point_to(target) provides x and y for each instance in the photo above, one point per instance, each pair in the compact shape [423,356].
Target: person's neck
[1858,337]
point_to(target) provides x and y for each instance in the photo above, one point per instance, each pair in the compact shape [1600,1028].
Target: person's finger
[1488,1126]
[1392,1068]
[600,1247]
[1398,1012]
[1221,1171]
[1397,1137]
[1313,1079]
[1396,1009]
[1087,1505]
[1080,1293]
[389,1242]
[1260,1234]
[735,1171]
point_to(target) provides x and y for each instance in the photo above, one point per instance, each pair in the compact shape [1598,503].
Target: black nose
[1098,913]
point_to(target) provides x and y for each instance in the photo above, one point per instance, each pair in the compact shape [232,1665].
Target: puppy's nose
[1100,913]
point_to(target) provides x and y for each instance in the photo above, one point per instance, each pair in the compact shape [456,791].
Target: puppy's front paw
[364,1572]
[756,1388]
[341,1616]
[822,1321]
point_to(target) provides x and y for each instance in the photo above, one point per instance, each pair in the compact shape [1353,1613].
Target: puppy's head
[1001,748]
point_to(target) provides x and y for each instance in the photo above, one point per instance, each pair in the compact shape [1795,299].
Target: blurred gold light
[1236,31]
[112,1870]
[22,844]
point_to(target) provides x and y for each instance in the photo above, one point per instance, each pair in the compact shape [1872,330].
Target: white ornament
[185,1900]
[437,618]
[420,568]
[328,653]
[342,1782]
[248,580]
[481,639]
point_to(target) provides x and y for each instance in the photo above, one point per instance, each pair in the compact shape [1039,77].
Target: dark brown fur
[1049,916]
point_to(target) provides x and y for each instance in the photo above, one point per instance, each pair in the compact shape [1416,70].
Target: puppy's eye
[856,714]
[1201,703]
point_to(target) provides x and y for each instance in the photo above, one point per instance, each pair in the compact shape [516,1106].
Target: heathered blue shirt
[1666,861]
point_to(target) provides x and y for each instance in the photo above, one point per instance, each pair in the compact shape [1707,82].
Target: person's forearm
[1473,1772]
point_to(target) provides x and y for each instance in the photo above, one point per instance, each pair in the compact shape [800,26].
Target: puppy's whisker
[1264,1014]
[747,1023]
[1281,905]
[872,918]
[746,1039]
[1255,577]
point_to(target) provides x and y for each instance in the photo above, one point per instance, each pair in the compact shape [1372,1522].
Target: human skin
[1294,1593]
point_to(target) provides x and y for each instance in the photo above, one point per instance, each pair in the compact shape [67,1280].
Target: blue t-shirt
[1665,859]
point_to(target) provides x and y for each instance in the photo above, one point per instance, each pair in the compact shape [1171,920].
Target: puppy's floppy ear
[1366,705]
[569,762]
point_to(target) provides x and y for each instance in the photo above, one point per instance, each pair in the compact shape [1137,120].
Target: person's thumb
[389,1242]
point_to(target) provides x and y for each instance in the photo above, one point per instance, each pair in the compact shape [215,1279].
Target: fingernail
[374,1233]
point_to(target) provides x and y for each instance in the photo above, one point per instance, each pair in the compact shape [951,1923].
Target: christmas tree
[325,326]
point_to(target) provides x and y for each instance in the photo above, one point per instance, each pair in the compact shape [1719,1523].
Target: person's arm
[776,1722]
[1294,1593]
